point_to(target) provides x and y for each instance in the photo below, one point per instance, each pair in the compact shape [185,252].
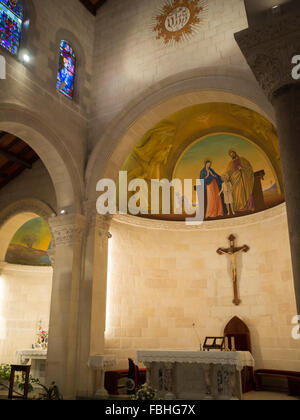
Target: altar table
[38,359]
[196,375]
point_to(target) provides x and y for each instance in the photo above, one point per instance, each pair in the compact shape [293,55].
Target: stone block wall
[166,280]
[25,294]
[130,60]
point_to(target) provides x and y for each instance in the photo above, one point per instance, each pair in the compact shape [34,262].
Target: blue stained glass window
[66,70]
[11,20]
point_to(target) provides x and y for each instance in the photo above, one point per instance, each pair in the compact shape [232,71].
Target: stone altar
[38,359]
[196,375]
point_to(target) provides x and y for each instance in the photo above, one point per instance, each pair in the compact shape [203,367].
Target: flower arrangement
[43,335]
[145,393]
[42,338]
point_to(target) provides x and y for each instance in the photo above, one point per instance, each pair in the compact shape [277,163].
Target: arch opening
[25,282]
[67,182]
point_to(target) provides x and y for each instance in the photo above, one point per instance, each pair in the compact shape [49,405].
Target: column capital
[51,255]
[67,229]
[102,225]
[96,222]
[269,50]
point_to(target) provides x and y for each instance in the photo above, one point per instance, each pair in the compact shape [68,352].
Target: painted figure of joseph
[241,176]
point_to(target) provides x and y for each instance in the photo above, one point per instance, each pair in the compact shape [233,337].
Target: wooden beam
[93,7]
[16,159]
[7,136]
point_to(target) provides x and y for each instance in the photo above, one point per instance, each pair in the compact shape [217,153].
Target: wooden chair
[133,380]
[25,370]
[112,379]
[238,329]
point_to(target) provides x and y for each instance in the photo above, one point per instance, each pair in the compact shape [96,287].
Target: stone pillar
[169,381]
[92,297]
[98,310]
[269,50]
[68,233]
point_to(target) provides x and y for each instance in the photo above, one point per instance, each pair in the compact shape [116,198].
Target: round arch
[15,215]
[66,179]
[165,98]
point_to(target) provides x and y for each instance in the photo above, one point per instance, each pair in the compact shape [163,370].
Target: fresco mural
[233,148]
[238,178]
[30,244]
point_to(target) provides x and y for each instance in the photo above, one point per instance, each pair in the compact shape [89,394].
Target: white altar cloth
[195,375]
[23,356]
[240,359]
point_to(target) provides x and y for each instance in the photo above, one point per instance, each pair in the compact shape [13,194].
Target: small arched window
[66,70]
[11,21]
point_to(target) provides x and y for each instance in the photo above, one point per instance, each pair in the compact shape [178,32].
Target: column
[269,51]
[169,381]
[101,364]
[208,368]
[67,234]
[92,296]
[99,291]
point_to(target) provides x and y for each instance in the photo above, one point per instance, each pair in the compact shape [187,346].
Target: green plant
[145,393]
[50,393]
[5,371]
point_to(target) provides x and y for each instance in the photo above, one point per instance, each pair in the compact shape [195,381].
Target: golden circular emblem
[178,19]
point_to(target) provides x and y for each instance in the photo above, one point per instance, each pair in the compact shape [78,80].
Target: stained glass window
[11,20]
[66,70]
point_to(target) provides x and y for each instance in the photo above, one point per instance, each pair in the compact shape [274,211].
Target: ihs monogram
[178,19]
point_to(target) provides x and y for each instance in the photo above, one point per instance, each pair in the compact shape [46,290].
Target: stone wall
[162,281]
[25,294]
[129,60]
[29,90]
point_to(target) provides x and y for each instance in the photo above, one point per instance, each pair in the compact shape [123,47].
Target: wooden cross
[232,252]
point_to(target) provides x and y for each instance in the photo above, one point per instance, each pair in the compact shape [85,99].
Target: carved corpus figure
[233,252]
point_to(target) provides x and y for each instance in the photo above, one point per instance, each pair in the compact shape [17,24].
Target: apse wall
[25,294]
[163,277]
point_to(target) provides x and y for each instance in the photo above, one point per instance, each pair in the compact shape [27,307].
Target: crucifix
[233,252]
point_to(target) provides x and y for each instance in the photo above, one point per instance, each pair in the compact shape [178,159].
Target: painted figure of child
[227,191]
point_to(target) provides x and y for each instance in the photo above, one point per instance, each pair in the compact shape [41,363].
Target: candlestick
[226,344]
[233,344]
[197,335]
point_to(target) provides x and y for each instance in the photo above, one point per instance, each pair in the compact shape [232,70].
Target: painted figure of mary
[214,204]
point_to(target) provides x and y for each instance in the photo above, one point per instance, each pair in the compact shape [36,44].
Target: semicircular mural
[234,149]
[30,244]
[238,177]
